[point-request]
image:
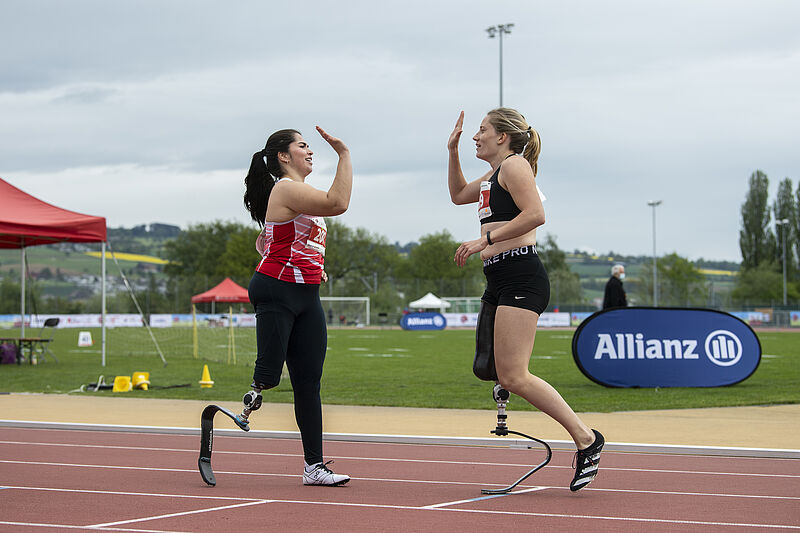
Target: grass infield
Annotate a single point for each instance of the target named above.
(381, 367)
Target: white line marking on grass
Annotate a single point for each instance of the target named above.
(358, 349)
(184, 513)
(380, 355)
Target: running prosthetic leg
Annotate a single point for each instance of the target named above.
(207, 439)
(501, 396)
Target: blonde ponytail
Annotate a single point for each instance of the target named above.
(524, 139)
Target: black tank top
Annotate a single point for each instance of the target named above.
(496, 203)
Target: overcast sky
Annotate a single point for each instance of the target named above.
(149, 111)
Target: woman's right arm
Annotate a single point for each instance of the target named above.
(461, 192)
(303, 198)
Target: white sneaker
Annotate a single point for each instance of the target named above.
(320, 474)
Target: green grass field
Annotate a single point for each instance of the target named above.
(381, 367)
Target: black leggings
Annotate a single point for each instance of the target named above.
(290, 327)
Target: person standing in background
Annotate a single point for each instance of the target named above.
(615, 294)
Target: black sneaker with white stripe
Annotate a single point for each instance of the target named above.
(586, 463)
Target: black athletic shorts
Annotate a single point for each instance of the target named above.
(517, 278)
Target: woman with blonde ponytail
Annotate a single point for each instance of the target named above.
(517, 287)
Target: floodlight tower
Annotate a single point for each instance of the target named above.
(654, 204)
(499, 30)
(783, 222)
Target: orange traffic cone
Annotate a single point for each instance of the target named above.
(205, 381)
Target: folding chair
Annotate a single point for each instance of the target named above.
(42, 344)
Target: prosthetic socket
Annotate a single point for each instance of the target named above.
(483, 365)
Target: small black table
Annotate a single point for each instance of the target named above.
(25, 343)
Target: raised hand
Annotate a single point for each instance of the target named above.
(335, 143)
(452, 142)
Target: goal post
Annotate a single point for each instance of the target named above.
(463, 304)
(346, 310)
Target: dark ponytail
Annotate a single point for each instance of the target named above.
(264, 170)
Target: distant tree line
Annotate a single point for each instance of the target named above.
(769, 232)
(358, 263)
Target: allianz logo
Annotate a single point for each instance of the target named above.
(425, 321)
(722, 347)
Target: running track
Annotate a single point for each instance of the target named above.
(61, 480)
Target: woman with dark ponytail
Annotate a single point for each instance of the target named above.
(284, 290)
(517, 287)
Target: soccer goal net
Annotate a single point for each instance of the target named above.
(346, 310)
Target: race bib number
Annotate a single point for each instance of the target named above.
(483, 203)
(318, 235)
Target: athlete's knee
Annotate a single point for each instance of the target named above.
(514, 382)
(483, 365)
(306, 386)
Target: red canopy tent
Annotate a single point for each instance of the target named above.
(27, 221)
(227, 291)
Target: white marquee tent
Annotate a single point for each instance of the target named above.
(430, 301)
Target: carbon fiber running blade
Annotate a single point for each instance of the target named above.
(204, 463)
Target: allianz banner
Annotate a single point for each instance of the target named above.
(665, 347)
(426, 320)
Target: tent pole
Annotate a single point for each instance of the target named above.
(194, 332)
(22, 297)
(103, 299)
(231, 338)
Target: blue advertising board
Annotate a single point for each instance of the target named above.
(423, 321)
(665, 347)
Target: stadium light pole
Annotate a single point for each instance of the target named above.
(783, 222)
(654, 204)
(499, 30)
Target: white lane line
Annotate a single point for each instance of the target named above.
(66, 526)
(483, 511)
(546, 515)
(395, 480)
(173, 515)
(129, 493)
(423, 461)
(488, 497)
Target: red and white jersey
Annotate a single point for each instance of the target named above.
(293, 251)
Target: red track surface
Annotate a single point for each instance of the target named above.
(55, 480)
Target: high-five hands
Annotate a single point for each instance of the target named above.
(452, 142)
(335, 143)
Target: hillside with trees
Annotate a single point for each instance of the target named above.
(359, 263)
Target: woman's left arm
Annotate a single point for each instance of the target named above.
(516, 176)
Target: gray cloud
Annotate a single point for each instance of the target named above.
(166, 102)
